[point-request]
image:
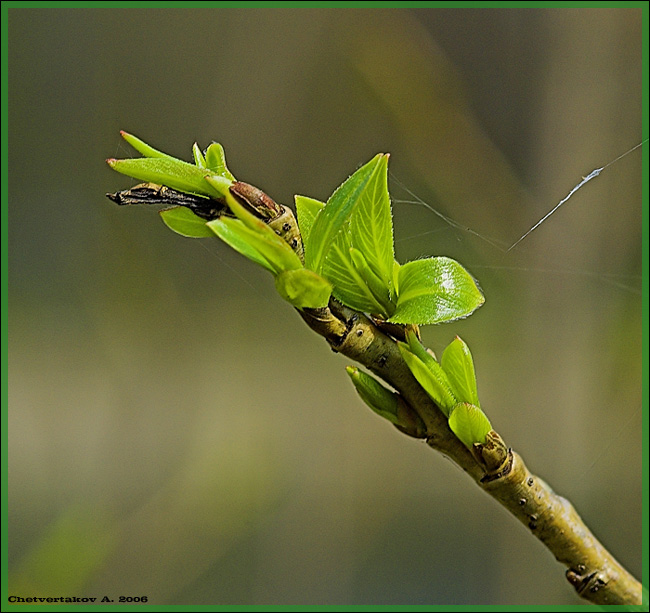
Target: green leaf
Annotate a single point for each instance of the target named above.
(240, 243)
(199, 160)
(333, 218)
(432, 378)
(375, 395)
(271, 247)
(378, 287)
(142, 147)
(371, 223)
(167, 171)
(259, 235)
(457, 362)
(435, 290)
(469, 424)
(307, 209)
(303, 288)
(349, 285)
(215, 160)
(182, 221)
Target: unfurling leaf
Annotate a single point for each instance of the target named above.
(268, 248)
(432, 378)
(435, 290)
(335, 216)
(233, 237)
(215, 160)
(379, 289)
(371, 224)
(349, 285)
(387, 404)
(457, 363)
(350, 239)
(141, 147)
(199, 160)
(374, 394)
(469, 424)
(303, 288)
(182, 221)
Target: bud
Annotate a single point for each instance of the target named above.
(387, 404)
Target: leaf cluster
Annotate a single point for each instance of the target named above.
(348, 253)
(348, 241)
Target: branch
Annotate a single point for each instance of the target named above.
(591, 569)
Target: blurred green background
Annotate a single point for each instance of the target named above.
(176, 432)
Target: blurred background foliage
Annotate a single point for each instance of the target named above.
(177, 432)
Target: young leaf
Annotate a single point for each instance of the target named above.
(271, 247)
(182, 221)
(307, 209)
(349, 286)
(457, 363)
(371, 224)
(435, 290)
(303, 288)
(199, 160)
(374, 394)
(167, 171)
(469, 424)
(378, 287)
(432, 378)
(215, 160)
(336, 213)
(142, 147)
(350, 239)
(240, 243)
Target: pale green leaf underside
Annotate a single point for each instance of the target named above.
(332, 219)
(469, 424)
(182, 221)
(239, 242)
(457, 363)
(269, 250)
(435, 290)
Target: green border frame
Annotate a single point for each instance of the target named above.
(331, 4)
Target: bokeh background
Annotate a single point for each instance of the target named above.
(176, 432)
